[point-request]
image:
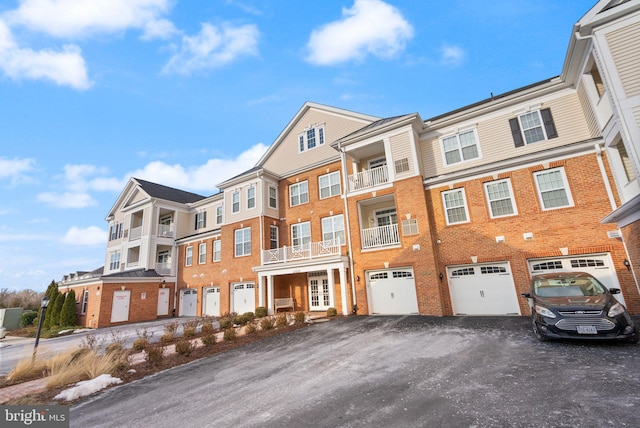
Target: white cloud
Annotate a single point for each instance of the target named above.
(160, 29)
(65, 67)
(452, 55)
(67, 199)
(202, 178)
(15, 168)
(80, 18)
(92, 235)
(370, 27)
(213, 47)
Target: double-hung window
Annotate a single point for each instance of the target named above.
(202, 253)
(553, 189)
(201, 220)
(251, 197)
(219, 214)
(188, 258)
(273, 237)
(500, 198)
(333, 229)
(114, 261)
(455, 206)
(242, 242)
(273, 197)
(217, 250)
(301, 234)
(235, 202)
(311, 138)
(299, 193)
(85, 301)
(532, 127)
(115, 231)
(329, 184)
(460, 147)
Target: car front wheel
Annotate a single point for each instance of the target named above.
(536, 332)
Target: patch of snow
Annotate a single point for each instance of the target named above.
(87, 387)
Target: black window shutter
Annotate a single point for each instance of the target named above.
(195, 225)
(515, 132)
(204, 220)
(549, 126)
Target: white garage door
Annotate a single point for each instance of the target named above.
(483, 289)
(392, 292)
(211, 302)
(598, 265)
(244, 298)
(188, 302)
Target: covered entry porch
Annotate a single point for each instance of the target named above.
(313, 285)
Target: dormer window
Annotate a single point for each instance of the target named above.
(311, 138)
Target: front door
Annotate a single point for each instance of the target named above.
(120, 306)
(163, 301)
(319, 292)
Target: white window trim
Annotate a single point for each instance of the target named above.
(85, 302)
(251, 198)
(243, 242)
(220, 214)
(291, 186)
(329, 175)
(457, 135)
(188, 256)
(511, 197)
(302, 238)
(202, 253)
(302, 137)
(544, 131)
(269, 187)
(333, 231)
(565, 184)
(235, 203)
(217, 252)
(201, 220)
(115, 260)
(466, 206)
(271, 229)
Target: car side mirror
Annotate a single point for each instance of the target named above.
(614, 290)
(526, 295)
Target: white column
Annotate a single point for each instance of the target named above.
(270, 294)
(331, 284)
(260, 290)
(343, 290)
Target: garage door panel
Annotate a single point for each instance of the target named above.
(392, 292)
(483, 289)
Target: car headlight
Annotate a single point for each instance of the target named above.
(545, 312)
(616, 310)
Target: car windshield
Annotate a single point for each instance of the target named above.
(567, 287)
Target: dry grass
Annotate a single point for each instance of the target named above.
(27, 369)
(75, 366)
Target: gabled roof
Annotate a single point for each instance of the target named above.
(159, 191)
(137, 273)
(375, 126)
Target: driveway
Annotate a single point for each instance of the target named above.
(388, 371)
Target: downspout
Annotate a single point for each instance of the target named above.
(605, 179)
(261, 218)
(343, 161)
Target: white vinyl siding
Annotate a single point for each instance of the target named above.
(553, 189)
(242, 242)
(329, 184)
(298, 193)
(455, 206)
(625, 51)
(500, 198)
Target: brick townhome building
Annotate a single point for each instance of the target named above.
(444, 216)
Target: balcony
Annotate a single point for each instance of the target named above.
(381, 236)
(368, 178)
(135, 233)
(312, 250)
(165, 230)
(163, 268)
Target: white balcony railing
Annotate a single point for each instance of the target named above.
(165, 230)
(368, 178)
(163, 268)
(381, 236)
(135, 233)
(294, 253)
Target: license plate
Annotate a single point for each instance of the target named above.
(587, 329)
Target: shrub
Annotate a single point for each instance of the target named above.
(230, 334)
(225, 323)
(154, 355)
(244, 318)
(167, 338)
(332, 312)
(251, 328)
(68, 310)
(144, 334)
(171, 327)
(184, 347)
(261, 312)
(299, 317)
(281, 321)
(140, 344)
(113, 347)
(27, 318)
(266, 323)
(91, 341)
(209, 339)
(207, 327)
(189, 331)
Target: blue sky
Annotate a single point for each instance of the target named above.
(188, 93)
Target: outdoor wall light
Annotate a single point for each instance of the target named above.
(441, 276)
(627, 264)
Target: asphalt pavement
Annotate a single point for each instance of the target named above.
(410, 371)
